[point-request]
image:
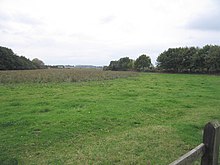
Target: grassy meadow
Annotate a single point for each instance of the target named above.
(60, 75)
(136, 119)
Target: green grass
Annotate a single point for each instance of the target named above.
(149, 118)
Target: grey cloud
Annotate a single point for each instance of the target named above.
(9, 28)
(4, 16)
(19, 18)
(108, 19)
(24, 19)
(208, 20)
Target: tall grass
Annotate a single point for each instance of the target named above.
(60, 75)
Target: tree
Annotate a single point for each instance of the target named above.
(185, 59)
(212, 59)
(169, 60)
(142, 62)
(203, 60)
(10, 61)
(38, 63)
(113, 65)
(125, 63)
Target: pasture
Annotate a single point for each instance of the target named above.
(135, 119)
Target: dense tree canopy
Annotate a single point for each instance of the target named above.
(142, 62)
(10, 61)
(190, 59)
(123, 64)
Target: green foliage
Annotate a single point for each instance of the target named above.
(142, 62)
(126, 64)
(123, 64)
(113, 66)
(151, 118)
(10, 61)
(203, 60)
(38, 63)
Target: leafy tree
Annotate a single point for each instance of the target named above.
(169, 60)
(125, 63)
(113, 65)
(187, 62)
(10, 61)
(204, 60)
(142, 62)
(38, 63)
(212, 59)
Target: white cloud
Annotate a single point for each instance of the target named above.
(95, 32)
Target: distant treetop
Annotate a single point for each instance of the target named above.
(142, 63)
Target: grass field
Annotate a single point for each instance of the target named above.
(60, 75)
(135, 120)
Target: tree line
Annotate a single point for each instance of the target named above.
(177, 60)
(190, 59)
(142, 63)
(10, 61)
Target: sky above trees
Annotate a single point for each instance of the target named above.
(98, 31)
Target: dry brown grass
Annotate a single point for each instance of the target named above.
(60, 75)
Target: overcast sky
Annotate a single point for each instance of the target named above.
(98, 31)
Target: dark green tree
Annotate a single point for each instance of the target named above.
(169, 60)
(202, 60)
(113, 66)
(212, 58)
(142, 62)
(10, 61)
(125, 64)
